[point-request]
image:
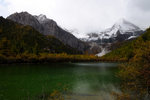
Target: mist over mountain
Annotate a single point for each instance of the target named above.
(122, 30)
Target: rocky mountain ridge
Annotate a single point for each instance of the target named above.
(47, 26)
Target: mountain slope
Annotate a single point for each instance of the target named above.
(130, 49)
(17, 39)
(48, 27)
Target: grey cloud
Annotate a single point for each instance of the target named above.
(138, 12)
(83, 15)
(142, 4)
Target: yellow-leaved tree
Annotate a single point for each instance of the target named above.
(135, 74)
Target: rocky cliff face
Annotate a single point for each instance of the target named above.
(48, 27)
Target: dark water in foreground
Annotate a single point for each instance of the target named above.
(84, 81)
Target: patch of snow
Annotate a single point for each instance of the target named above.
(132, 37)
(104, 52)
(125, 26)
(76, 33)
(93, 38)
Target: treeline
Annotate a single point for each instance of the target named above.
(46, 58)
(135, 74)
(23, 44)
(127, 50)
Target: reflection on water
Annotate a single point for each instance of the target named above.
(83, 91)
(97, 64)
(84, 81)
(100, 84)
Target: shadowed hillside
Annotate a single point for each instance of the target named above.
(17, 39)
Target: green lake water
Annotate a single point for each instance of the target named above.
(79, 81)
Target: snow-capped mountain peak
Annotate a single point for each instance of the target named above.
(120, 31)
(125, 26)
(122, 26)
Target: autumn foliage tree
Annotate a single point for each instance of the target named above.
(135, 74)
(5, 47)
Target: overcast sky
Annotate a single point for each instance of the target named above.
(83, 15)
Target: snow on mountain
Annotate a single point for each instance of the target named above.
(121, 27)
(132, 37)
(122, 30)
(126, 26)
(76, 33)
(103, 52)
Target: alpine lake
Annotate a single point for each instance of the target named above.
(74, 81)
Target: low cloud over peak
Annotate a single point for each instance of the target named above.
(83, 15)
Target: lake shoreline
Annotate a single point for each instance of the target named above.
(58, 61)
(53, 58)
